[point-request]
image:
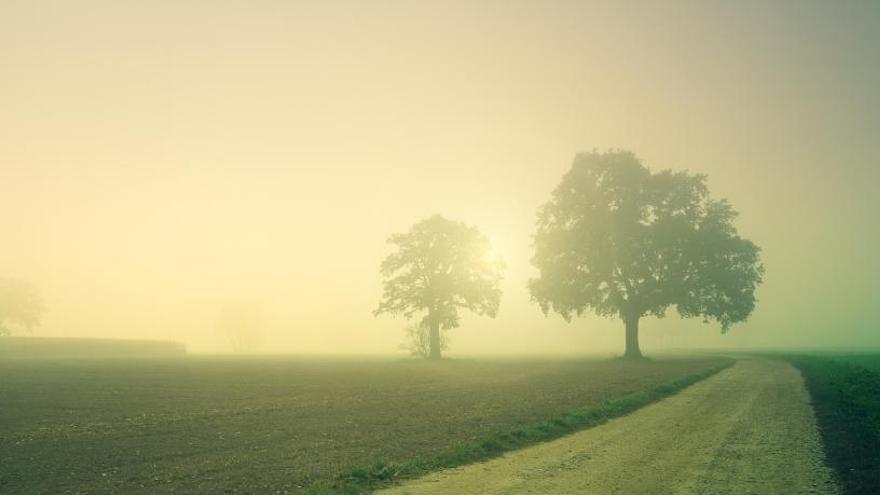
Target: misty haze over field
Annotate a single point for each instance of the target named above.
(163, 162)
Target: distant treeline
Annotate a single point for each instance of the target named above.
(39, 347)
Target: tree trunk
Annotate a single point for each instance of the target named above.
(434, 340)
(632, 338)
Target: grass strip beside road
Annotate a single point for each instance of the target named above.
(846, 399)
(381, 473)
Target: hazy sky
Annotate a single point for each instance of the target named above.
(159, 158)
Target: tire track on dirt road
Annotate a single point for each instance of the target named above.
(749, 429)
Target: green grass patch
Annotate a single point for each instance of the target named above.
(383, 473)
(846, 398)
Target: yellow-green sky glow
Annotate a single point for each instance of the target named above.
(160, 158)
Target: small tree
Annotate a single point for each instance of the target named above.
(437, 268)
(417, 340)
(242, 323)
(621, 241)
(20, 305)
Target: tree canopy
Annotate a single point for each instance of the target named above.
(437, 268)
(20, 304)
(621, 241)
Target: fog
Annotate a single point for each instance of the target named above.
(160, 161)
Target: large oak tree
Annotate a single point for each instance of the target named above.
(437, 268)
(621, 241)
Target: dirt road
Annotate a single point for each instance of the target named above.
(747, 430)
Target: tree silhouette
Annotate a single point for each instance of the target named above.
(242, 323)
(437, 268)
(621, 241)
(20, 304)
(417, 340)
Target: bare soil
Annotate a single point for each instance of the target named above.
(749, 429)
(275, 424)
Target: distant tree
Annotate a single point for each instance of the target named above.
(417, 340)
(241, 323)
(20, 305)
(437, 268)
(621, 241)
